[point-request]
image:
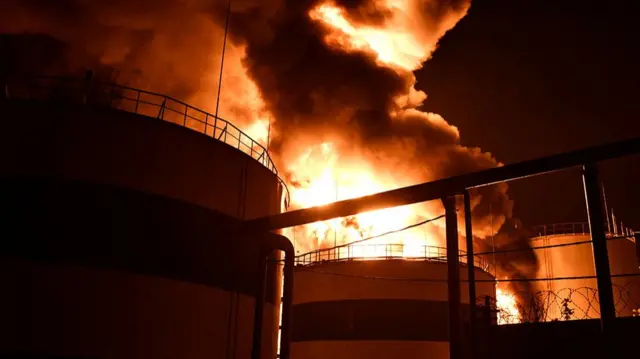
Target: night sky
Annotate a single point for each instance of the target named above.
(524, 79)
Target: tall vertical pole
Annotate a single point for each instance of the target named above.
(599, 245)
(453, 277)
(471, 274)
(493, 244)
(258, 309)
(224, 47)
(606, 210)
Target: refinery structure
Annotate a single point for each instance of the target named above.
(122, 246)
(315, 209)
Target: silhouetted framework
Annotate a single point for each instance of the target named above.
(447, 188)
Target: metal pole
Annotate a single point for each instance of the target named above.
(470, 273)
(599, 245)
(493, 244)
(224, 46)
(287, 304)
(269, 134)
(453, 277)
(606, 210)
(258, 313)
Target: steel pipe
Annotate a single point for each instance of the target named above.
(445, 187)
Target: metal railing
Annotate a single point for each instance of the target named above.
(363, 252)
(140, 102)
(575, 228)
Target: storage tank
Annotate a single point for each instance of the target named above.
(119, 212)
(566, 260)
(386, 306)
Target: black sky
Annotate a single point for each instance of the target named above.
(523, 79)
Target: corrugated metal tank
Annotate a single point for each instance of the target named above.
(360, 309)
(116, 239)
(577, 261)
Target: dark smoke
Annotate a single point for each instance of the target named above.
(314, 91)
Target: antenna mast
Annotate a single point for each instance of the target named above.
(224, 47)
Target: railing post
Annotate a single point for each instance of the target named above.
(599, 246)
(471, 274)
(137, 102)
(453, 277)
(186, 108)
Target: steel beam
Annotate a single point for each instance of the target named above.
(471, 274)
(453, 277)
(445, 187)
(599, 245)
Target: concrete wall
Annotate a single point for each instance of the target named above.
(341, 310)
(118, 238)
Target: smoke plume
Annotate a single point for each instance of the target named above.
(317, 70)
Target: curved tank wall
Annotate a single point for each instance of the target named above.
(118, 241)
(577, 260)
(342, 311)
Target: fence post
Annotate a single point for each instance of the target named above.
(471, 274)
(453, 277)
(599, 246)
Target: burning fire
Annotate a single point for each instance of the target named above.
(320, 176)
(173, 47)
(506, 303)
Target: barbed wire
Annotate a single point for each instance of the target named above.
(563, 304)
(444, 280)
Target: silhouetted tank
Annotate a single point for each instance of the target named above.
(348, 304)
(564, 260)
(118, 216)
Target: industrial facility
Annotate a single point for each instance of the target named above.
(120, 222)
(566, 253)
(351, 305)
(136, 225)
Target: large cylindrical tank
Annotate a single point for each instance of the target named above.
(563, 260)
(378, 308)
(117, 235)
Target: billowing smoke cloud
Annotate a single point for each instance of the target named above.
(165, 46)
(320, 92)
(313, 84)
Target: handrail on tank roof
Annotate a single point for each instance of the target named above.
(359, 252)
(576, 229)
(141, 102)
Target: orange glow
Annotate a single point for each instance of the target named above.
(320, 176)
(506, 303)
(403, 41)
(395, 48)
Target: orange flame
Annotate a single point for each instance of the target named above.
(506, 303)
(320, 176)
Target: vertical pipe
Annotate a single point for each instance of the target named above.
(287, 304)
(453, 277)
(471, 274)
(258, 312)
(599, 246)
